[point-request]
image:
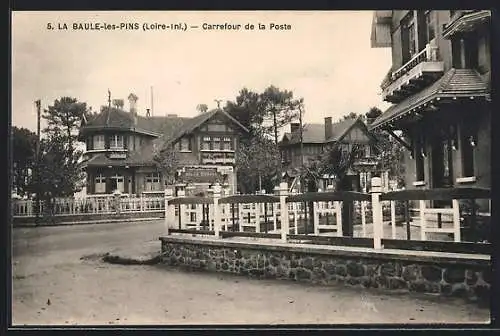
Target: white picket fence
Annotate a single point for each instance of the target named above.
(91, 205)
(378, 218)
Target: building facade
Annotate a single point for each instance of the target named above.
(121, 148)
(439, 85)
(317, 138)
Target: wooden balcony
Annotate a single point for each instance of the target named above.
(423, 69)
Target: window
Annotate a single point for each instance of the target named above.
(216, 143)
(430, 25)
(228, 143)
(185, 145)
(468, 140)
(100, 184)
(367, 151)
(116, 142)
(408, 37)
(117, 183)
(99, 142)
(153, 182)
(206, 143)
(132, 142)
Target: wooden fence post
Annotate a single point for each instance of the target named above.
(456, 220)
(363, 218)
(182, 210)
(168, 209)
(217, 211)
(316, 210)
(393, 219)
(285, 227)
(376, 191)
(423, 221)
(257, 217)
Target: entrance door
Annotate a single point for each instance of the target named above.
(442, 165)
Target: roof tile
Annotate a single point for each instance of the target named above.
(456, 82)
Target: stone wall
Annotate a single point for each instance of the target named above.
(469, 279)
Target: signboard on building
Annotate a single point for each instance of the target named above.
(200, 175)
(117, 155)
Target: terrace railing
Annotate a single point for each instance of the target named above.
(288, 218)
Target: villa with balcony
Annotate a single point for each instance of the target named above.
(439, 85)
(317, 138)
(121, 147)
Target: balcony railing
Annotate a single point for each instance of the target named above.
(428, 54)
(404, 81)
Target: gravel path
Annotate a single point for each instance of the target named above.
(53, 284)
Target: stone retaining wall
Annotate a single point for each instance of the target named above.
(469, 279)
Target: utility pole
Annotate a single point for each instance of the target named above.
(36, 171)
(301, 148)
(109, 98)
(152, 101)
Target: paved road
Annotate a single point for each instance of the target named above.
(53, 285)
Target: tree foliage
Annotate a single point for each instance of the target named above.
(61, 173)
(166, 160)
(266, 112)
(257, 164)
(23, 159)
(391, 153)
(202, 108)
(336, 160)
(60, 167)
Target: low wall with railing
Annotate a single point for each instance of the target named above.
(450, 275)
(301, 237)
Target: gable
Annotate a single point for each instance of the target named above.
(220, 123)
(357, 134)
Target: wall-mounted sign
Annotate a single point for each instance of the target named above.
(117, 155)
(200, 175)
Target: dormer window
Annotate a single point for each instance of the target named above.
(116, 142)
(185, 145)
(99, 142)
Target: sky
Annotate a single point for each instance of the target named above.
(324, 58)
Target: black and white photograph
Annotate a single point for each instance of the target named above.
(250, 168)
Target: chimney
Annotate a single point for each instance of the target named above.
(132, 99)
(328, 128)
(294, 127)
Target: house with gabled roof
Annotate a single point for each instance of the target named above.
(317, 138)
(439, 85)
(121, 145)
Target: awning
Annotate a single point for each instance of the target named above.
(453, 84)
(466, 23)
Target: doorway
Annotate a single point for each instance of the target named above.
(442, 165)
